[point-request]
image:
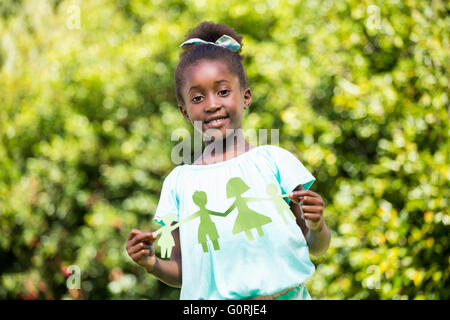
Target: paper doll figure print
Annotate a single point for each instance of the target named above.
(207, 227)
(166, 241)
(280, 204)
(246, 219)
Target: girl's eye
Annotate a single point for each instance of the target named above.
(224, 92)
(197, 99)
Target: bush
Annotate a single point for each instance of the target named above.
(88, 107)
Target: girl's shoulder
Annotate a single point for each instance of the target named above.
(278, 153)
(273, 148)
(173, 175)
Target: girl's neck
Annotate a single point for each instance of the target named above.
(225, 149)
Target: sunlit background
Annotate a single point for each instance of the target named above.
(358, 90)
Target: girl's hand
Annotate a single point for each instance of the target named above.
(312, 207)
(137, 248)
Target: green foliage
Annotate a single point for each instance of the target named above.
(358, 89)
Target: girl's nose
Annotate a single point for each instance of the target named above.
(213, 107)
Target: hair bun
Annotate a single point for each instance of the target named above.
(210, 32)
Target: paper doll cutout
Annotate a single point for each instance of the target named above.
(280, 204)
(207, 227)
(247, 219)
(166, 241)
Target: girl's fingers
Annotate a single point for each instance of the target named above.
(137, 248)
(138, 256)
(146, 241)
(312, 209)
(143, 237)
(138, 238)
(133, 233)
(293, 199)
(135, 256)
(312, 200)
(309, 197)
(305, 193)
(130, 238)
(313, 216)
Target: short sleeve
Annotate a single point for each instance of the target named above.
(290, 171)
(168, 201)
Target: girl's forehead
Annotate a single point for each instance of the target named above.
(207, 70)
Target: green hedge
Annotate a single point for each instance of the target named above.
(358, 89)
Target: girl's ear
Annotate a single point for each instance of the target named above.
(247, 98)
(184, 112)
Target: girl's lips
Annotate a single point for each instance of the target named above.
(217, 123)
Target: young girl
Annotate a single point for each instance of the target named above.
(242, 247)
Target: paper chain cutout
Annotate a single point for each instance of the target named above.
(246, 220)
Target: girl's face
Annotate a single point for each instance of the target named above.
(214, 97)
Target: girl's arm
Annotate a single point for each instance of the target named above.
(318, 239)
(169, 271)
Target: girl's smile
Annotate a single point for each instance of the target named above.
(217, 122)
(213, 96)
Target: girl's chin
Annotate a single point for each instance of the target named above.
(214, 134)
(218, 134)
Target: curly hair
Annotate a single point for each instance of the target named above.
(209, 31)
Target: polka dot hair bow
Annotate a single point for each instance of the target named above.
(224, 41)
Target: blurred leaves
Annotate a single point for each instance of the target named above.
(358, 89)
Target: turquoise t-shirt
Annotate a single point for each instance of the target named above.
(254, 249)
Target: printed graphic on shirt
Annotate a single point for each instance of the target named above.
(246, 221)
